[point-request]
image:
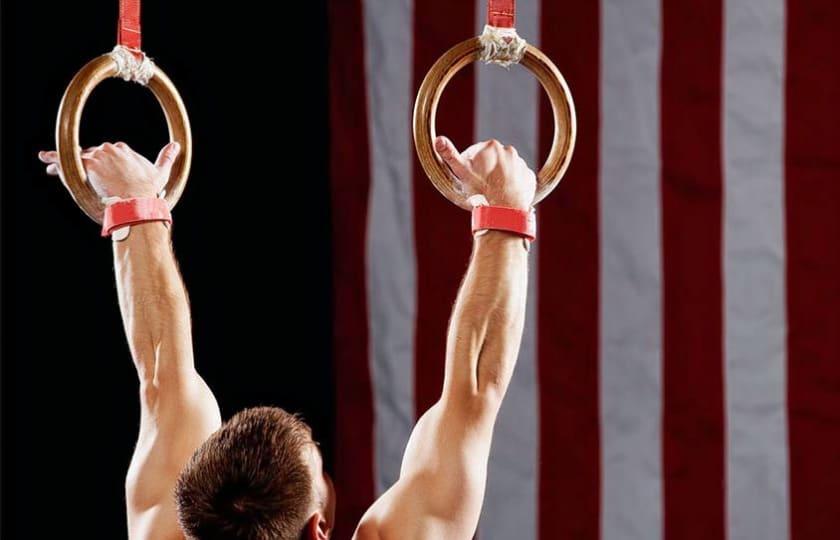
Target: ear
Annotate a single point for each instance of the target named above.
(317, 528)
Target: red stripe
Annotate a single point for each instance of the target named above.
(692, 213)
(442, 231)
(128, 27)
(350, 183)
(812, 168)
(568, 303)
(501, 13)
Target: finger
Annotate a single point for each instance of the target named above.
(471, 151)
(53, 169)
(91, 151)
(460, 167)
(51, 156)
(492, 144)
(48, 156)
(167, 156)
(121, 145)
(88, 152)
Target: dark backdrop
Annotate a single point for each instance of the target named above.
(251, 235)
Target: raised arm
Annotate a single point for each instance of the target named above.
(441, 486)
(177, 410)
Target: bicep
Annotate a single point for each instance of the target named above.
(177, 415)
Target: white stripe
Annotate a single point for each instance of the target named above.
(631, 272)
(507, 108)
(391, 262)
(755, 325)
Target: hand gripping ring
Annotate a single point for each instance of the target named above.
(69, 117)
(425, 110)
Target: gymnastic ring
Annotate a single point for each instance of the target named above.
(67, 133)
(425, 110)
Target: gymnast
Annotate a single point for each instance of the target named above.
(260, 476)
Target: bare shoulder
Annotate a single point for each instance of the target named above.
(372, 523)
(404, 513)
(385, 519)
(367, 530)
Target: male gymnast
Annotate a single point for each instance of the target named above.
(260, 476)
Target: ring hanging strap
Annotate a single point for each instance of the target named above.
(501, 44)
(500, 13)
(128, 27)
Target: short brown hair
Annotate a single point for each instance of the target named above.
(250, 480)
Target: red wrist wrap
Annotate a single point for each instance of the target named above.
(131, 211)
(500, 218)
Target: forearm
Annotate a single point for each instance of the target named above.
(177, 409)
(153, 302)
(448, 450)
(488, 318)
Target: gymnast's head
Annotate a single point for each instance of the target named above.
(259, 477)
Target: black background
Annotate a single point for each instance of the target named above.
(252, 235)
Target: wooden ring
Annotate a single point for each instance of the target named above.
(425, 110)
(67, 133)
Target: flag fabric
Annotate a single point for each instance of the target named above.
(679, 376)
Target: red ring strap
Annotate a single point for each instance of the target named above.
(500, 218)
(501, 13)
(128, 26)
(131, 211)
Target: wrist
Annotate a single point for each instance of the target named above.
(508, 203)
(499, 238)
(150, 238)
(121, 214)
(519, 201)
(500, 242)
(139, 195)
(145, 233)
(151, 228)
(515, 222)
(133, 191)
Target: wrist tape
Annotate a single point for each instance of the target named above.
(134, 211)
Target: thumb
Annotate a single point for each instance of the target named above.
(452, 157)
(167, 156)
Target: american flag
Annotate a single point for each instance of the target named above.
(679, 377)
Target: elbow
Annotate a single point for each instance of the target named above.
(488, 398)
(156, 371)
(478, 409)
(491, 384)
(145, 363)
(162, 385)
(479, 400)
(493, 373)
